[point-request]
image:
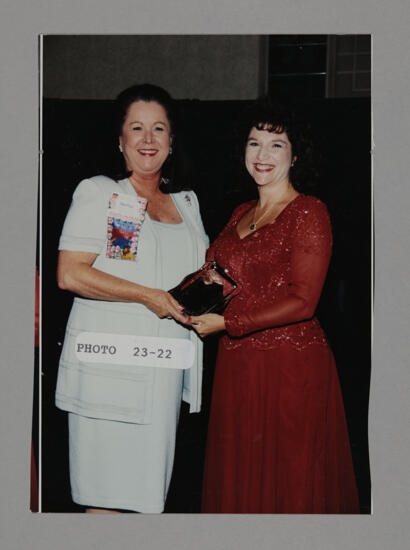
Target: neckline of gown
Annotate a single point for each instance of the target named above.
(266, 224)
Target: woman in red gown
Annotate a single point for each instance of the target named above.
(277, 440)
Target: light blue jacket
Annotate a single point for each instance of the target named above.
(121, 392)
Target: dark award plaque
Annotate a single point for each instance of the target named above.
(207, 290)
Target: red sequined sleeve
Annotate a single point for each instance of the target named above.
(310, 254)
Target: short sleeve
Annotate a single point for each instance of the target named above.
(85, 226)
(199, 217)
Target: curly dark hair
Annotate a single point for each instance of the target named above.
(278, 118)
(172, 173)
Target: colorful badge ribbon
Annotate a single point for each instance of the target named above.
(126, 215)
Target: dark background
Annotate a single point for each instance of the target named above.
(77, 143)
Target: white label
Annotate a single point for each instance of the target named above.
(142, 351)
(127, 205)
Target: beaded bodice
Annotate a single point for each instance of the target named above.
(262, 263)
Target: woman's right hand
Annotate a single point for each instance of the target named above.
(75, 273)
(164, 305)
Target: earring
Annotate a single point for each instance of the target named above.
(293, 164)
(170, 149)
(119, 147)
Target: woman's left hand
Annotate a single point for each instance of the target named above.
(208, 324)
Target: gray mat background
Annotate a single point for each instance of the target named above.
(21, 22)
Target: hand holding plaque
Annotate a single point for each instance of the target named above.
(207, 290)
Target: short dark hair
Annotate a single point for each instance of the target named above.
(142, 92)
(172, 176)
(278, 118)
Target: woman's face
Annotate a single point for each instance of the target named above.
(268, 157)
(145, 138)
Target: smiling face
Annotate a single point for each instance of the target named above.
(268, 157)
(145, 138)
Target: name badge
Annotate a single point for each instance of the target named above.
(126, 215)
(142, 351)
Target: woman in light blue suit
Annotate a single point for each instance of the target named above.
(123, 244)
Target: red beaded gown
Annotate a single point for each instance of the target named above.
(277, 438)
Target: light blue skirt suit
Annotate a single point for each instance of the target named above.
(123, 418)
